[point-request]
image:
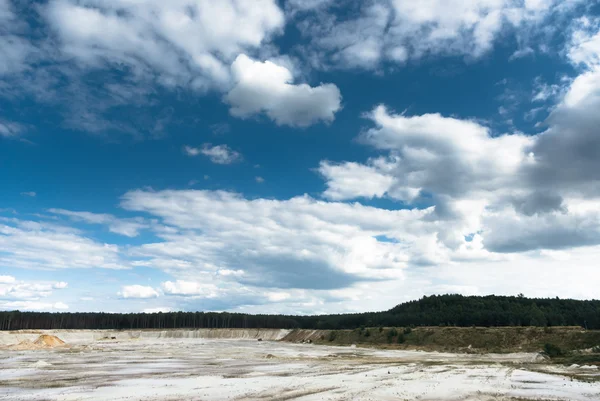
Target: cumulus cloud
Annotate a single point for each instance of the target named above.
(585, 43)
(516, 193)
(189, 288)
(566, 154)
(126, 227)
(430, 154)
(396, 31)
(13, 290)
(267, 87)
(187, 44)
(354, 180)
(184, 41)
(138, 292)
(29, 194)
(218, 154)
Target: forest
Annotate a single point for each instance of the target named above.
(436, 310)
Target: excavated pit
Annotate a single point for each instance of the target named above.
(232, 365)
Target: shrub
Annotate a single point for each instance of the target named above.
(393, 332)
(400, 339)
(332, 335)
(380, 329)
(367, 333)
(552, 350)
(407, 330)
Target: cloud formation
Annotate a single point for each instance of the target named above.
(41, 245)
(186, 42)
(126, 227)
(138, 292)
(380, 31)
(218, 154)
(518, 193)
(267, 87)
(29, 294)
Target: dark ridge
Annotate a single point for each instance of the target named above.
(436, 310)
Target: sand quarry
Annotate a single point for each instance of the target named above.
(233, 365)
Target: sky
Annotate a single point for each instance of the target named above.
(299, 156)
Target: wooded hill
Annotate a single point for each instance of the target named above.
(437, 310)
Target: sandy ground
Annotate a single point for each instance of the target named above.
(208, 369)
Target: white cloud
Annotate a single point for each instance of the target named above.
(398, 30)
(126, 227)
(584, 48)
(227, 272)
(33, 306)
(428, 154)
(160, 309)
(518, 192)
(218, 154)
(15, 290)
(47, 246)
(189, 288)
(353, 180)
(7, 279)
(295, 243)
(184, 42)
(278, 296)
(29, 194)
(138, 292)
(267, 87)
(259, 179)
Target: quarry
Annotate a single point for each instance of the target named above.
(232, 364)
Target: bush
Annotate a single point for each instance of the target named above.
(367, 333)
(407, 330)
(380, 329)
(393, 332)
(552, 350)
(332, 335)
(400, 339)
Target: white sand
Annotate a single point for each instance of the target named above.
(204, 369)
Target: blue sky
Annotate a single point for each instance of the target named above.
(296, 156)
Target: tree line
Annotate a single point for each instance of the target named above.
(436, 310)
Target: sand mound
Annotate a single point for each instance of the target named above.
(23, 345)
(46, 340)
(42, 342)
